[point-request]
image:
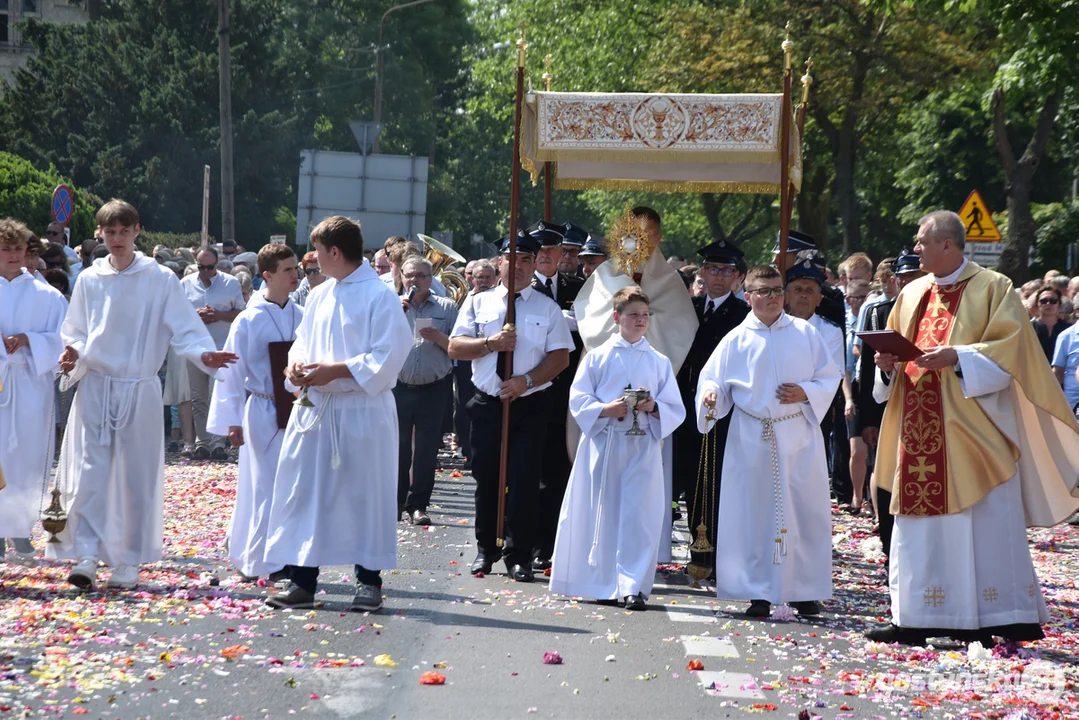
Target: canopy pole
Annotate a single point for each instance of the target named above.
(548, 167)
(509, 280)
(785, 195)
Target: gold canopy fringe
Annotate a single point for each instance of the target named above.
(664, 186)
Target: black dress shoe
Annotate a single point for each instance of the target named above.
(635, 602)
(610, 602)
(484, 562)
(540, 565)
(806, 607)
(522, 573)
(892, 633)
(759, 608)
(420, 517)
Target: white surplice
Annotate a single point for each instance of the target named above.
(986, 578)
(335, 494)
(122, 324)
(611, 524)
(27, 428)
(745, 370)
(674, 325)
(242, 397)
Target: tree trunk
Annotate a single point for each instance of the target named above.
(1014, 259)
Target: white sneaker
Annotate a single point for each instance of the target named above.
(124, 577)
(84, 574)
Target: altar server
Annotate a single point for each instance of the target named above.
(777, 374)
(31, 313)
(611, 523)
(248, 406)
(126, 310)
(336, 487)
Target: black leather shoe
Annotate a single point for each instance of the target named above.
(484, 562)
(540, 565)
(892, 633)
(420, 517)
(759, 608)
(522, 573)
(806, 607)
(610, 602)
(635, 602)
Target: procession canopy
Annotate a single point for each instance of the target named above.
(659, 143)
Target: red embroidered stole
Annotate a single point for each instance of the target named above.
(923, 460)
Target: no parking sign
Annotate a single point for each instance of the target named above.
(63, 204)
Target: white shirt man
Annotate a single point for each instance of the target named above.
(218, 299)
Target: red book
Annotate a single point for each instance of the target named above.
(891, 342)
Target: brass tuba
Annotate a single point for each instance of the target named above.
(441, 257)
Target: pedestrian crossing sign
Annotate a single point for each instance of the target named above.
(978, 221)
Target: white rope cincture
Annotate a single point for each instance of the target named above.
(593, 553)
(335, 458)
(768, 434)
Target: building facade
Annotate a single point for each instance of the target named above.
(14, 52)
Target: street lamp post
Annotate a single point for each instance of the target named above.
(378, 60)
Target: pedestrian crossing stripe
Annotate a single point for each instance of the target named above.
(705, 646)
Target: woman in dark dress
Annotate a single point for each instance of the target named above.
(1047, 322)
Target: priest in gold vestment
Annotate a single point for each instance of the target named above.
(977, 444)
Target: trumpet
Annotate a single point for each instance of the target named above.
(441, 257)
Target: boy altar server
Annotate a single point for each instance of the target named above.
(245, 404)
(336, 486)
(31, 313)
(612, 516)
(125, 312)
(774, 511)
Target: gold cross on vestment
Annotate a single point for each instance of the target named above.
(921, 469)
(990, 594)
(934, 596)
(937, 306)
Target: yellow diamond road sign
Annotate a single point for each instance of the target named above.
(978, 221)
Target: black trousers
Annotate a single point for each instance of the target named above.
(527, 431)
(463, 390)
(887, 522)
(420, 408)
(555, 473)
(837, 447)
(307, 577)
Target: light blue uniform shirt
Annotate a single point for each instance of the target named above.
(1066, 355)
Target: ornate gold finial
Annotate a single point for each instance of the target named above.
(547, 76)
(522, 43)
(807, 80)
(788, 48)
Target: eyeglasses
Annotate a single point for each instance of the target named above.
(207, 267)
(714, 270)
(767, 292)
(1049, 301)
(312, 271)
(417, 276)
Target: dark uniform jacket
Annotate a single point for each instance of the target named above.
(870, 412)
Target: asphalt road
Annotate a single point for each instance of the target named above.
(487, 637)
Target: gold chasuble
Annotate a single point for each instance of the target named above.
(940, 453)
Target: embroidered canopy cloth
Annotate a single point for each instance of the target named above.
(654, 142)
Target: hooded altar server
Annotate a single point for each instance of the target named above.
(31, 313)
(977, 443)
(336, 487)
(774, 529)
(611, 523)
(246, 400)
(126, 311)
